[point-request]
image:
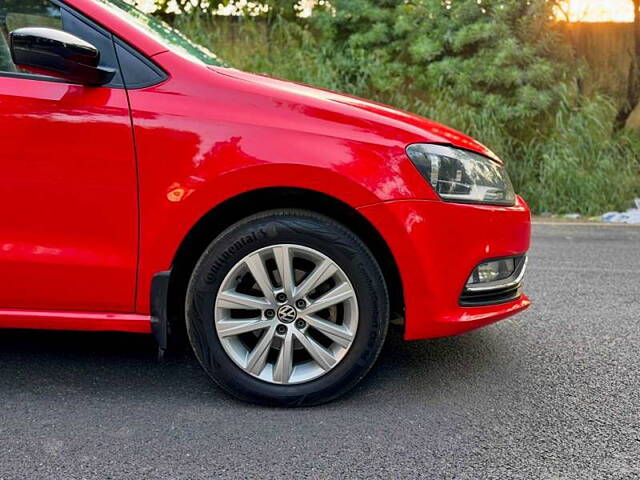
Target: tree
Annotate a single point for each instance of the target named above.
(499, 57)
(632, 101)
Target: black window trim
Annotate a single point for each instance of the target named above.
(162, 75)
(115, 39)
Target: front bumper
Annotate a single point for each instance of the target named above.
(436, 245)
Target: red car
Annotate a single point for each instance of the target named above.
(149, 187)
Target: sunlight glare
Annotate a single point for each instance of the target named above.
(596, 10)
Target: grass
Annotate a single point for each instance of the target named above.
(571, 162)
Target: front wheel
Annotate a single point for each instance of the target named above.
(287, 308)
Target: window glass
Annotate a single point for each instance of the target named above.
(161, 31)
(16, 14)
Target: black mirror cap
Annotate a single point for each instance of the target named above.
(59, 52)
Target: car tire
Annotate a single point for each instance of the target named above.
(334, 348)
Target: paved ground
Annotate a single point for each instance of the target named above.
(552, 393)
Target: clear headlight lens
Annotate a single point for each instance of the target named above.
(461, 175)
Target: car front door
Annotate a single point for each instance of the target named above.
(69, 212)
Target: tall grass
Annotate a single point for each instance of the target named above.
(571, 161)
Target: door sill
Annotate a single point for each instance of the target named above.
(78, 321)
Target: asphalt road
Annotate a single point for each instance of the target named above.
(551, 393)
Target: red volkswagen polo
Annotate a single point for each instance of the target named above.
(147, 186)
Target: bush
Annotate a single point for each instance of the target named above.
(493, 69)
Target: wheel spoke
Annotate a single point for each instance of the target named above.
(284, 365)
(258, 356)
(334, 296)
(338, 333)
(323, 357)
(234, 300)
(228, 328)
(284, 261)
(320, 274)
(256, 267)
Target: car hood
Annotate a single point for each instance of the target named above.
(417, 128)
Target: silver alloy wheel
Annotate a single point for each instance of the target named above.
(286, 314)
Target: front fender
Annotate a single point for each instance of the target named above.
(184, 203)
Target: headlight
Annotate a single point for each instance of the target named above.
(462, 176)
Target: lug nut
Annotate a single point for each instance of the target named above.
(269, 313)
(281, 297)
(301, 303)
(281, 329)
(300, 324)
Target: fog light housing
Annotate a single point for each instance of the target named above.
(492, 271)
(494, 281)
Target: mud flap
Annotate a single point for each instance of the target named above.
(159, 318)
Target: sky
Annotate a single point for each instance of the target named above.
(598, 10)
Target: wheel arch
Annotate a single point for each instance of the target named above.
(234, 209)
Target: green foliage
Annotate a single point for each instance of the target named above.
(583, 165)
(494, 55)
(495, 69)
(273, 8)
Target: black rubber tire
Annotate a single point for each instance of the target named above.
(301, 228)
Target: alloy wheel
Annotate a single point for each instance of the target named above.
(286, 314)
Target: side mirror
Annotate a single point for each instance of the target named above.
(59, 52)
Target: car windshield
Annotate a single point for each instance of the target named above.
(163, 32)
